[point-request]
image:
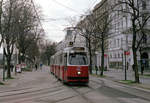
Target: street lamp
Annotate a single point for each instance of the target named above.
(125, 56)
(124, 48)
(125, 65)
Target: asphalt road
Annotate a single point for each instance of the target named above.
(42, 87)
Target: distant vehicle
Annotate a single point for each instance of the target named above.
(71, 65)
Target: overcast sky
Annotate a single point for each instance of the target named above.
(57, 14)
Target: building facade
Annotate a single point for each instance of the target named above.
(72, 38)
(119, 50)
(120, 40)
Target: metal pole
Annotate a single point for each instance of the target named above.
(125, 66)
(122, 61)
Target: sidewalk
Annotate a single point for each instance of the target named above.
(118, 74)
(15, 76)
(1, 74)
(18, 76)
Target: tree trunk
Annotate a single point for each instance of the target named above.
(23, 58)
(48, 60)
(8, 66)
(19, 60)
(1, 4)
(135, 66)
(102, 57)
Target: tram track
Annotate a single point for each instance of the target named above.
(83, 94)
(27, 94)
(30, 93)
(24, 90)
(13, 90)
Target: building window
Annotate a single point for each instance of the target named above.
(126, 22)
(121, 41)
(118, 42)
(143, 4)
(118, 55)
(110, 56)
(114, 55)
(114, 42)
(110, 45)
(122, 24)
(118, 26)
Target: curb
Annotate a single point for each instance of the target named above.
(143, 87)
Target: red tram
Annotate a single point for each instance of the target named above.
(71, 65)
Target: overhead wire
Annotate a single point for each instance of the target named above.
(37, 14)
(69, 8)
(55, 19)
(64, 18)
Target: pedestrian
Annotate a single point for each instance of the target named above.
(142, 69)
(36, 67)
(105, 68)
(96, 68)
(41, 66)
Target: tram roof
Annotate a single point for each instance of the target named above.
(75, 49)
(71, 49)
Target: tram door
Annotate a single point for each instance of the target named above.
(65, 67)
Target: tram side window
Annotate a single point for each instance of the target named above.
(78, 59)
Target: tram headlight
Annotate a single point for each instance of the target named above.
(78, 73)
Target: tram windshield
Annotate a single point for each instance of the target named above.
(78, 59)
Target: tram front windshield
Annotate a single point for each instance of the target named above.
(78, 59)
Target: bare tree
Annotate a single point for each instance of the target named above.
(8, 31)
(1, 11)
(28, 29)
(96, 28)
(49, 49)
(86, 29)
(32, 54)
(102, 24)
(139, 16)
(19, 23)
